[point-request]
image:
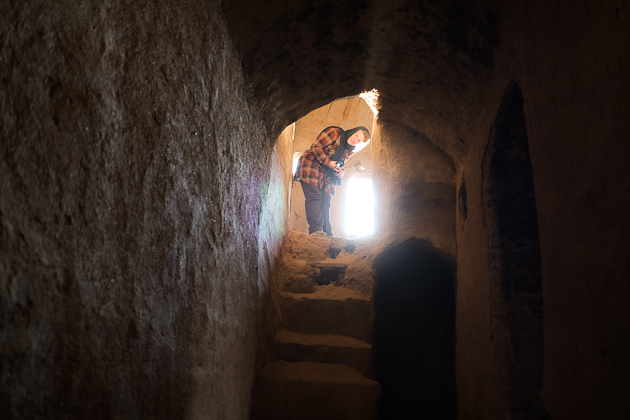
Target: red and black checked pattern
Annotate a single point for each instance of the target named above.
(313, 161)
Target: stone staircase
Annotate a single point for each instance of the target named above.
(321, 359)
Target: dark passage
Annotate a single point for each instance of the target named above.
(510, 213)
(414, 333)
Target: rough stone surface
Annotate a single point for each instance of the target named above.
(325, 324)
(307, 259)
(324, 348)
(415, 188)
(140, 213)
(441, 69)
(509, 212)
(135, 175)
(313, 391)
(329, 310)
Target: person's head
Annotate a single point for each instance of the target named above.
(359, 136)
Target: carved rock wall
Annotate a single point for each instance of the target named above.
(441, 69)
(141, 209)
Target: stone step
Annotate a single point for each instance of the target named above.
(327, 273)
(329, 310)
(313, 391)
(326, 348)
(301, 276)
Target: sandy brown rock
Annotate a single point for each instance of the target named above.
(329, 310)
(142, 204)
(324, 348)
(141, 209)
(309, 390)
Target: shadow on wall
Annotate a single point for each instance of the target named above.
(414, 332)
(511, 218)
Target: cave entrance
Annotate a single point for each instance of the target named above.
(414, 333)
(346, 113)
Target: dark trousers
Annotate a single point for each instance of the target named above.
(317, 209)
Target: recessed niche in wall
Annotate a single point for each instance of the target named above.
(515, 266)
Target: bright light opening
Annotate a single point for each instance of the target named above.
(296, 158)
(371, 99)
(360, 206)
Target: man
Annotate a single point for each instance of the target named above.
(320, 168)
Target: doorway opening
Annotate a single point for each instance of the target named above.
(345, 113)
(414, 333)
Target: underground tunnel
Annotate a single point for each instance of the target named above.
(151, 263)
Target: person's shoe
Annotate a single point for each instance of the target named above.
(331, 235)
(318, 233)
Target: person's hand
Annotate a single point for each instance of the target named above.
(336, 169)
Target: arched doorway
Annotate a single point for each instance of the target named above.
(345, 113)
(414, 333)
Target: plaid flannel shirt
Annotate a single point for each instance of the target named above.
(312, 164)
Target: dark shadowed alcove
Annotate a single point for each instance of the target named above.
(510, 216)
(414, 333)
